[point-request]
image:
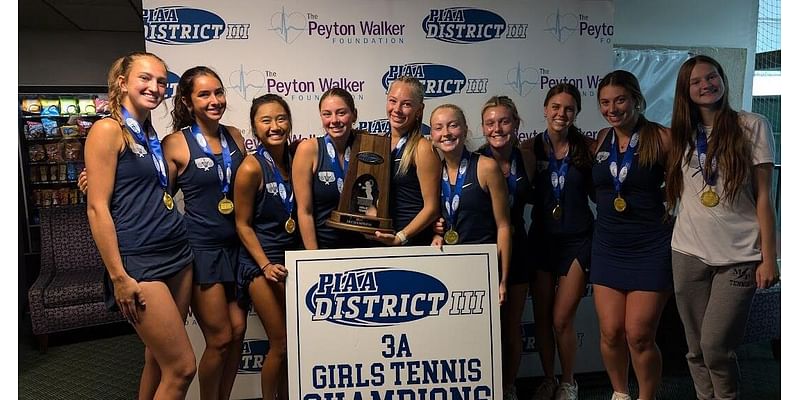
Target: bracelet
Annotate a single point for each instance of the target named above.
(402, 236)
(265, 267)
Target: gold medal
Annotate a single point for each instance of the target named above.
(168, 201)
(557, 211)
(451, 237)
(709, 198)
(290, 225)
(620, 204)
(225, 206)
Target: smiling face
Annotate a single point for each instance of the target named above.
(448, 129)
(499, 126)
(560, 112)
(337, 117)
(144, 86)
(207, 100)
(272, 124)
(618, 107)
(403, 106)
(706, 86)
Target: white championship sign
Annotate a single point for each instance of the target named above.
(394, 323)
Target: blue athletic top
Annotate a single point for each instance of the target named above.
(576, 217)
(142, 223)
(200, 183)
(326, 195)
(474, 219)
(269, 217)
(405, 200)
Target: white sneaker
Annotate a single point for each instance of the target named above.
(567, 391)
(510, 394)
(620, 396)
(546, 389)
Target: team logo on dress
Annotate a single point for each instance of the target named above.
(438, 80)
(253, 353)
(380, 296)
(204, 163)
(326, 177)
(271, 188)
(176, 25)
(139, 150)
(466, 25)
(602, 156)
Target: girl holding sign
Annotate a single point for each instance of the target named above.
(720, 184)
(205, 155)
(266, 224)
(139, 233)
(631, 263)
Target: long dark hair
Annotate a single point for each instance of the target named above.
(181, 115)
(728, 144)
(649, 132)
(579, 151)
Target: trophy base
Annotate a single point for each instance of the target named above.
(359, 223)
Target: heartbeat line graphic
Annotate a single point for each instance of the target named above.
(287, 24)
(239, 81)
(557, 28)
(520, 82)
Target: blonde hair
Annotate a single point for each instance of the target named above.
(504, 101)
(415, 133)
(456, 109)
(122, 67)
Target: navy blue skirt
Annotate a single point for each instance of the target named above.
(633, 261)
(157, 265)
(556, 253)
(215, 265)
(248, 270)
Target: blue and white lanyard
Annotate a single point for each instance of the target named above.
(619, 177)
(287, 194)
(338, 171)
(151, 141)
(511, 179)
(702, 155)
(558, 174)
(452, 198)
(224, 170)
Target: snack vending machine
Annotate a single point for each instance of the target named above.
(53, 124)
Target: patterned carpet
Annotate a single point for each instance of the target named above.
(105, 363)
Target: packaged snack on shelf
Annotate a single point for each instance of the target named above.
(44, 176)
(86, 105)
(83, 126)
(69, 131)
(72, 150)
(36, 152)
(31, 105)
(101, 104)
(63, 196)
(34, 175)
(72, 172)
(37, 198)
(54, 173)
(68, 104)
(62, 172)
(73, 196)
(34, 130)
(47, 198)
(50, 128)
(50, 108)
(55, 151)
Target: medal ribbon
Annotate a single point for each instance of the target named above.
(452, 197)
(702, 150)
(558, 174)
(401, 144)
(338, 171)
(286, 198)
(224, 170)
(151, 141)
(620, 174)
(511, 179)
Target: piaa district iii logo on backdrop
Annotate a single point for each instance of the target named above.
(437, 79)
(183, 25)
(466, 25)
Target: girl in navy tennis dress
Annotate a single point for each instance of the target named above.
(267, 227)
(139, 233)
(205, 155)
(631, 264)
(318, 173)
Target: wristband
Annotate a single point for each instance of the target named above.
(263, 269)
(402, 236)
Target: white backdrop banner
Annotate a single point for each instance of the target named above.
(407, 323)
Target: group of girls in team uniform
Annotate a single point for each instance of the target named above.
(243, 211)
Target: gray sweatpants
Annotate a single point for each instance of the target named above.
(713, 303)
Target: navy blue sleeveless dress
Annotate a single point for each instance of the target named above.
(559, 242)
(212, 235)
(405, 201)
(631, 249)
(326, 195)
(519, 272)
(152, 239)
(475, 222)
(269, 217)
